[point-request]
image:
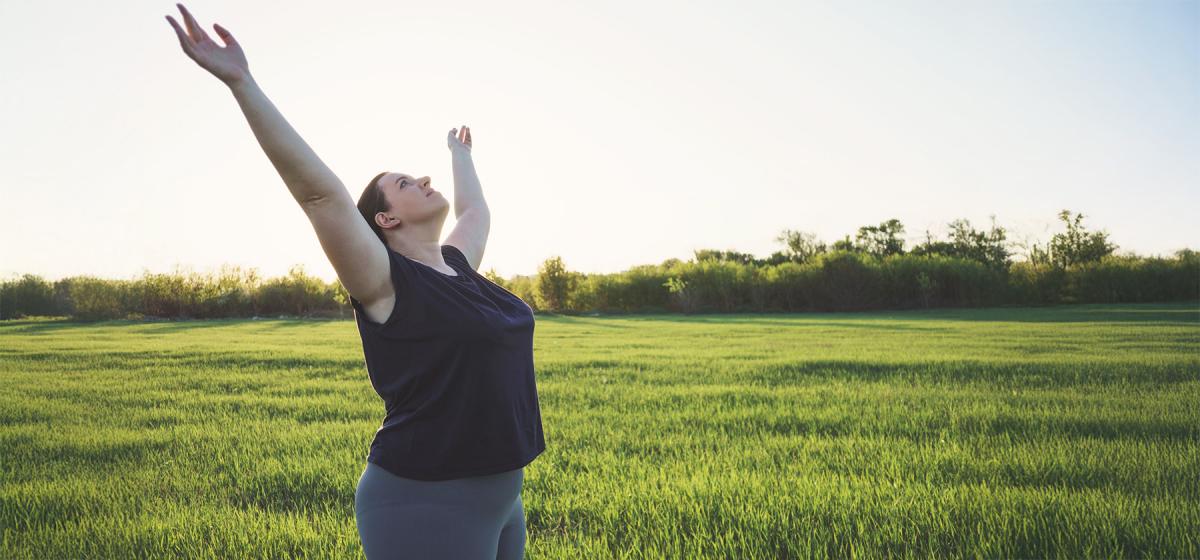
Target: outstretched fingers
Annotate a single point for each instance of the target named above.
(184, 40)
(225, 35)
(197, 33)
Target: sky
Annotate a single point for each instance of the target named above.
(611, 134)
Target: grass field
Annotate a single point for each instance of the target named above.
(1048, 432)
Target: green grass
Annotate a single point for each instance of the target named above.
(1049, 432)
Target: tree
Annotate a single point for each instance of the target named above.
(30, 295)
(882, 240)
(725, 256)
(932, 246)
(989, 248)
(1075, 246)
(845, 244)
(554, 284)
(496, 279)
(802, 246)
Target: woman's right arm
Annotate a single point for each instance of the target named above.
(358, 257)
(306, 176)
(361, 261)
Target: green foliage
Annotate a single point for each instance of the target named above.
(606, 293)
(932, 280)
(719, 286)
(97, 299)
(554, 285)
(524, 287)
(1073, 247)
(1035, 284)
(970, 268)
(496, 279)
(724, 256)
(926, 287)
(28, 296)
(881, 240)
(1127, 278)
(791, 287)
(989, 248)
(165, 295)
(848, 281)
(684, 298)
(802, 246)
(834, 281)
(296, 294)
(230, 292)
(845, 244)
(341, 295)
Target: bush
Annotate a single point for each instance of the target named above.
(554, 284)
(296, 294)
(837, 280)
(27, 296)
(1035, 284)
(96, 299)
(849, 281)
(1128, 278)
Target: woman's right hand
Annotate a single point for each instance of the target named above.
(227, 63)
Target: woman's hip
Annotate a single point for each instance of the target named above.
(495, 493)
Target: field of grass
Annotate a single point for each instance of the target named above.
(1049, 432)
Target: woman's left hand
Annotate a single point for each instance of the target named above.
(460, 139)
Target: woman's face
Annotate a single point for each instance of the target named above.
(412, 199)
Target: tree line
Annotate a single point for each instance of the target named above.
(872, 270)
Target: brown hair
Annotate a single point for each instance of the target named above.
(373, 202)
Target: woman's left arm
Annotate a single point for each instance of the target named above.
(468, 193)
(474, 220)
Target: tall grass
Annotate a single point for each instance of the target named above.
(1061, 432)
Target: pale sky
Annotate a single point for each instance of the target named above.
(611, 133)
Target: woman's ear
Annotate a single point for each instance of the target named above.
(383, 220)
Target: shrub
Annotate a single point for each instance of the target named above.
(27, 296)
(97, 299)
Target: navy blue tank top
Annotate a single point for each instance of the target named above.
(453, 364)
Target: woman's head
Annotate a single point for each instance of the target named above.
(398, 201)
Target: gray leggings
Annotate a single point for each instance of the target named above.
(463, 518)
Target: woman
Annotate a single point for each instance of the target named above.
(449, 352)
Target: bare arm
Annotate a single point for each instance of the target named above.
(361, 261)
(468, 193)
(474, 220)
(306, 176)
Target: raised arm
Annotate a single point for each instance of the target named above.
(473, 219)
(361, 261)
(306, 176)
